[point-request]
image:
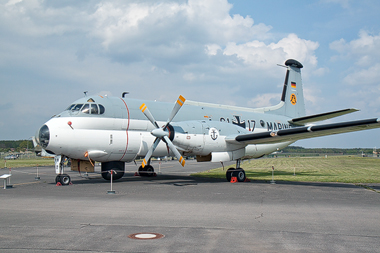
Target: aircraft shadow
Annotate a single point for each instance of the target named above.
(186, 180)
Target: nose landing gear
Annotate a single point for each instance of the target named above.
(61, 178)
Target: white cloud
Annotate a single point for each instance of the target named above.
(364, 51)
(161, 49)
(370, 76)
(13, 2)
(211, 19)
(212, 49)
(260, 55)
(263, 100)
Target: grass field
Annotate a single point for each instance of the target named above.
(27, 162)
(342, 169)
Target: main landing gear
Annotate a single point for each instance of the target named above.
(147, 171)
(116, 167)
(239, 173)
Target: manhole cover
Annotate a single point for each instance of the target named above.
(146, 236)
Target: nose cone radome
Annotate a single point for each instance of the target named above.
(44, 136)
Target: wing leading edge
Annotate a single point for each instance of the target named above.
(299, 133)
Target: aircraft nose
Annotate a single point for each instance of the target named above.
(44, 136)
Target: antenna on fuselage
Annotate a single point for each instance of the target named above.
(124, 93)
(85, 93)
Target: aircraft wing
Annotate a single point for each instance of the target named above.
(299, 133)
(319, 117)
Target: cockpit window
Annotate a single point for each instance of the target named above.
(94, 109)
(86, 108)
(77, 107)
(70, 107)
(101, 109)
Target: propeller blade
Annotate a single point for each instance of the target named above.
(161, 134)
(175, 151)
(147, 113)
(180, 101)
(150, 152)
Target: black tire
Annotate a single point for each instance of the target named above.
(149, 171)
(142, 171)
(117, 167)
(229, 173)
(58, 178)
(65, 179)
(239, 173)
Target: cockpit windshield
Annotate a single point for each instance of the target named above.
(87, 108)
(77, 107)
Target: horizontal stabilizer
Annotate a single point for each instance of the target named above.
(299, 133)
(319, 117)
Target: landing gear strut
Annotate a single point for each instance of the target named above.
(61, 178)
(239, 173)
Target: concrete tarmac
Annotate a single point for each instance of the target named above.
(192, 214)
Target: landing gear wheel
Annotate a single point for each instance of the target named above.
(229, 173)
(58, 179)
(147, 171)
(117, 168)
(239, 173)
(142, 171)
(65, 179)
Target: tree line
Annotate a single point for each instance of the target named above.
(16, 146)
(342, 151)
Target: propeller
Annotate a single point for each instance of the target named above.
(161, 134)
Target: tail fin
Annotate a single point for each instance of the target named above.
(292, 101)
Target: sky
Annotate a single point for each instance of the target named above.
(217, 51)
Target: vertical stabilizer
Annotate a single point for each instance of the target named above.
(292, 99)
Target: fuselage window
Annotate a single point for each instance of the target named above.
(101, 109)
(94, 109)
(86, 108)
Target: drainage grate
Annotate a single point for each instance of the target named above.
(146, 236)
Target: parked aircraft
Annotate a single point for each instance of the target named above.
(115, 130)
